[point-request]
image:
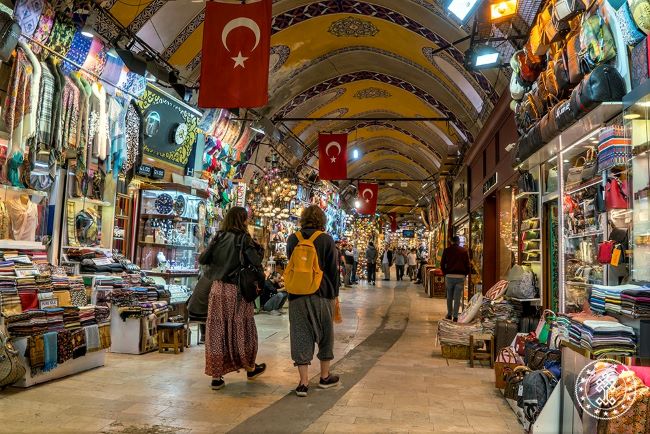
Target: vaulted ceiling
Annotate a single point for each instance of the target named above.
(350, 59)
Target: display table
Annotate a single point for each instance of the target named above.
(71, 367)
(134, 335)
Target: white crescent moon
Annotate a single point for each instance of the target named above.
(363, 193)
(337, 145)
(240, 22)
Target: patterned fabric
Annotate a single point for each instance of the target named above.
(77, 53)
(98, 121)
(45, 108)
(117, 133)
(78, 343)
(71, 101)
(135, 84)
(105, 336)
(112, 71)
(497, 290)
(64, 341)
(96, 59)
(133, 136)
(231, 335)
(636, 420)
(62, 34)
(45, 23)
(27, 14)
(36, 352)
(57, 111)
(17, 101)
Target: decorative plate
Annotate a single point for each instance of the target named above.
(179, 205)
(164, 204)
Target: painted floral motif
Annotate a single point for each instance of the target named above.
(371, 93)
(282, 53)
(353, 27)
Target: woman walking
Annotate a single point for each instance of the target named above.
(231, 335)
(400, 261)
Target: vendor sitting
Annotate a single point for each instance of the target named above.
(273, 296)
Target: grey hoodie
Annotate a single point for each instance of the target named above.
(371, 255)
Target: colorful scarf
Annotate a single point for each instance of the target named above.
(105, 337)
(64, 343)
(78, 343)
(36, 353)
(92, 338)
(50, 343)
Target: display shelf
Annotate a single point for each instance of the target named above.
(586, 234)
(21, 245)
(95, 249)
(28, 191)
(90, 201)
(525, 194)
(169, 246)
(189, 273)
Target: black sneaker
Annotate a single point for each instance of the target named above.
(448, 317)
(259, 370)
(455, 319)
(218, 383)
(330, 381)
(302, 390)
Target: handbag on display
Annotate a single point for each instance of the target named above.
(639, 68)
(630, 32)
(526, 182)
(600, 199)
(548, 127)
(564, 116)
(605, 250)
(555, 29)
(565, 10)
(573, 59)
(590, 166)
(614, 149)
(551, 180)
(616, 194)
(513, 379)
(531, 64)
(506, 359)
(529, 143)
(11, 368)
(596, 42)
(560, 71)
(640, 10)
(517, 90)
(574, 176)
(545, 325)
(603, 84)
(531, 235)
(9, 33)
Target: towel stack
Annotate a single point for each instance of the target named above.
(608, 337)
(28, 323)
(87, 315)
(54, 317)
(636, 302)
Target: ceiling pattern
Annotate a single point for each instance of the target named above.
(346, 58)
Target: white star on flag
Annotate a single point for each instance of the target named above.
(333, 159)
(239, 60)
(367, 200)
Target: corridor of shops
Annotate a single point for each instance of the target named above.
(285, 216)
(393, 379)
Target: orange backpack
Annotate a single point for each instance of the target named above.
(303, 274)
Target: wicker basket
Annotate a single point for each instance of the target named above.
(458, 352)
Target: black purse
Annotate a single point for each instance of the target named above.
(250, 280)
(529, 144)
(603, 84)
(9, 34)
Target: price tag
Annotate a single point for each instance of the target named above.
(158, 173)
(145, 170)
(49, 302)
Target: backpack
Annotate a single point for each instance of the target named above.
(537, 389)
(303, 274)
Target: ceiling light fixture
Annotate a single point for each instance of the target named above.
(632, 116)
(462, 8)
(501, 10)
(355, 154)
(482, 57)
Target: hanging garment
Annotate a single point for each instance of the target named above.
(16, 112)
(23, 219)
(46, 103)
(77, 53)
(27, 14)
(117, 133)
(45, 23)
(134, 137)
(98, 131)
(70, 107)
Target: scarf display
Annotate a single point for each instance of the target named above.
(36, 353)
(92, 338)
(64, 344)
(78, 343)
(105, 337)
(50, 351)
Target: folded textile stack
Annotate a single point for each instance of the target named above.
(54, 319)
(39, 257)
(597, 299)
(7, 268)
(493, 311)
(89, 266)
(9, 299)
(102, 314)
(44, 283)
(608, 337)
(87, 315)
(71, 318)
(636, 302)
(563, 323)
(28, 323)
(575, 333)
(27, 291)
(76, 283)
(453, 333)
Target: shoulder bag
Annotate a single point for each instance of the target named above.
(565, 10)
(548, 127)
(573, 59)
(11, 368)
(574, 177)
(529, 143)
(631, 34)
(596, 42)
(513, 379)
(590, 166)
(603, 84)
(564, 116)
(605, 250)
(616, 194)
(560, 71)
(249, 278)
(9, 34)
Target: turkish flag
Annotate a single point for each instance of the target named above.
(368, 198)
(333, 156)
(393, 221)
(235, 55)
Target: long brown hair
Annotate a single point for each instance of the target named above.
(236, 220)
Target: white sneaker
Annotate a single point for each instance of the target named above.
(275, 312)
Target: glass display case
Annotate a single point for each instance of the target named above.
(172, 231)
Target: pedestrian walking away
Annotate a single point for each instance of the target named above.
(311, 315)
(455, 266)
(231, 334)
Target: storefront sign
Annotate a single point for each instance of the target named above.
(491, 182)
(241, 194)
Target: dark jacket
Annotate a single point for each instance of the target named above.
(390, 257)
(371, 255)
(455, 260)
(328, 260)
(221, 257)
(270, 289)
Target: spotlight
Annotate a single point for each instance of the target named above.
(355, 154)
(462, 8)
(502, 10)
(482, 57)
(357, 204)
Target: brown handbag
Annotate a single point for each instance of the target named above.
(561, 71)
(573, 58)
(506, 360)
(513, 379)
(11, 368)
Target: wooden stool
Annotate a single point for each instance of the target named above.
(481, 354)
(171, 335)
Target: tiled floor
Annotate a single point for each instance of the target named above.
(408, 388)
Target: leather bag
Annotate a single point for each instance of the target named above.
(250, 280)
(590, 166)
(631, 34)
(529, 143)
(11, 368)
(505, 333)
(603, 84)
(565, 10)
(573, 59)
(513, 379)
(506, 360)
(548, 127)
(564, 116)
(605, 250)
(561, 72)
(574, 176)
(616, 194)
(531, 65)
(9, 34)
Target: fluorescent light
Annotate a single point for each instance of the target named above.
(486, 59)
(355, 154)
(462, 8)
(632, 116)
(357, 203)
(258, 130)
(87, 34)
(566, 161)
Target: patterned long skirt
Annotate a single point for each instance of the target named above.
(231, 334)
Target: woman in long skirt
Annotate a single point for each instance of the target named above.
(231, 334)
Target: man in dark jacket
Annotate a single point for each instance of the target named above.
(273, 296)
(455, 266)
(311, 316)
(371, 260)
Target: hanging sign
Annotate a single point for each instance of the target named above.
(241, 194)
(491, 182)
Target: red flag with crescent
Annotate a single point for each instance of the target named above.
(333, 156)
(393, 221)
(235, 55)
(368, 198)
